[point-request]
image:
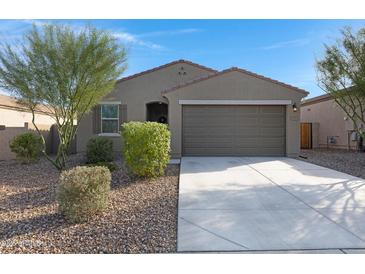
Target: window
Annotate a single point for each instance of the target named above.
(109, 118)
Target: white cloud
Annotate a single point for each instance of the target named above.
(35, 22)
(287, 44)
(15, 29)
(169, 32)
(133, 39)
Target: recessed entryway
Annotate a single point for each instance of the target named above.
(267, 203)
(157, 112)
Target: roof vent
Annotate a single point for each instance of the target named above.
(182, 72)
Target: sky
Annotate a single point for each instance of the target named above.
(285, 50)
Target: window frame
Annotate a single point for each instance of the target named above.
(110, 119)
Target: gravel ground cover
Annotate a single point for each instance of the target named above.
(141, 217)
(350, 162)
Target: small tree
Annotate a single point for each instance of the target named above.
(341, 73)
(66, 71)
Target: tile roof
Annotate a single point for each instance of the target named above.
(239, 70)
(316, 99)
(165, 66)
(11, 103)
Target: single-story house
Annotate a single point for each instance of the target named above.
(209, 112)
(328, 124)
(13, 114)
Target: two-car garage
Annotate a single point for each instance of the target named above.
(234, 113)
(252, 130)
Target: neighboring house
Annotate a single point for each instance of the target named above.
(12, 114)
(209, 112)
(330, 125)
(16, 119)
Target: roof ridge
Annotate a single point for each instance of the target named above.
(195, 80)
(272, 80)
(165, 66)
(319, 98)
(239, 70)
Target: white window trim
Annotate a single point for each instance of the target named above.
(235, 102)
(110, 103)
(111, 134)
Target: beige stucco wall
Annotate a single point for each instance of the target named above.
(235, 86)
(16, 118)
(14, 122)
(5, 137)
(331, 122)
(9, 133)
(136, 93)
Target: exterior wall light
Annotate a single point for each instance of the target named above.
(295, 109)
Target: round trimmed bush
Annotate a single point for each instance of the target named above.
(99, 149)
(109, 165)
(83, 192)
(146, 148)
(27, 146)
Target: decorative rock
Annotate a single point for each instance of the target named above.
(141, 216)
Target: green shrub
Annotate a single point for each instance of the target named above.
(146, 148)
(83, 192)
(99, 149)
(109, 165)
(27, 146)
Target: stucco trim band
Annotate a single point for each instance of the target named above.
(235, 102)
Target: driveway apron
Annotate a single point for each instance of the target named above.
(266, 203)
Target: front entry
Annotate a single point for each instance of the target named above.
(157, 112)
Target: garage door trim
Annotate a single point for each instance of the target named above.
(235, 102)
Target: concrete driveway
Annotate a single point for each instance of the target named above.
(265, 203)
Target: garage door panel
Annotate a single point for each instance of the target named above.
(209, 145)
(203, 131)
(272, 132)
(273, 121)
(234, 130)
(263, 142)
(208, 111)
(208, 138)
(272, 109)
(272, 142)
(209, 114)
(247, 110)
(255, 133)
(209, 122)
(246, 121)
(246, 142)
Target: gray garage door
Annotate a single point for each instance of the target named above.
(233, 130)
